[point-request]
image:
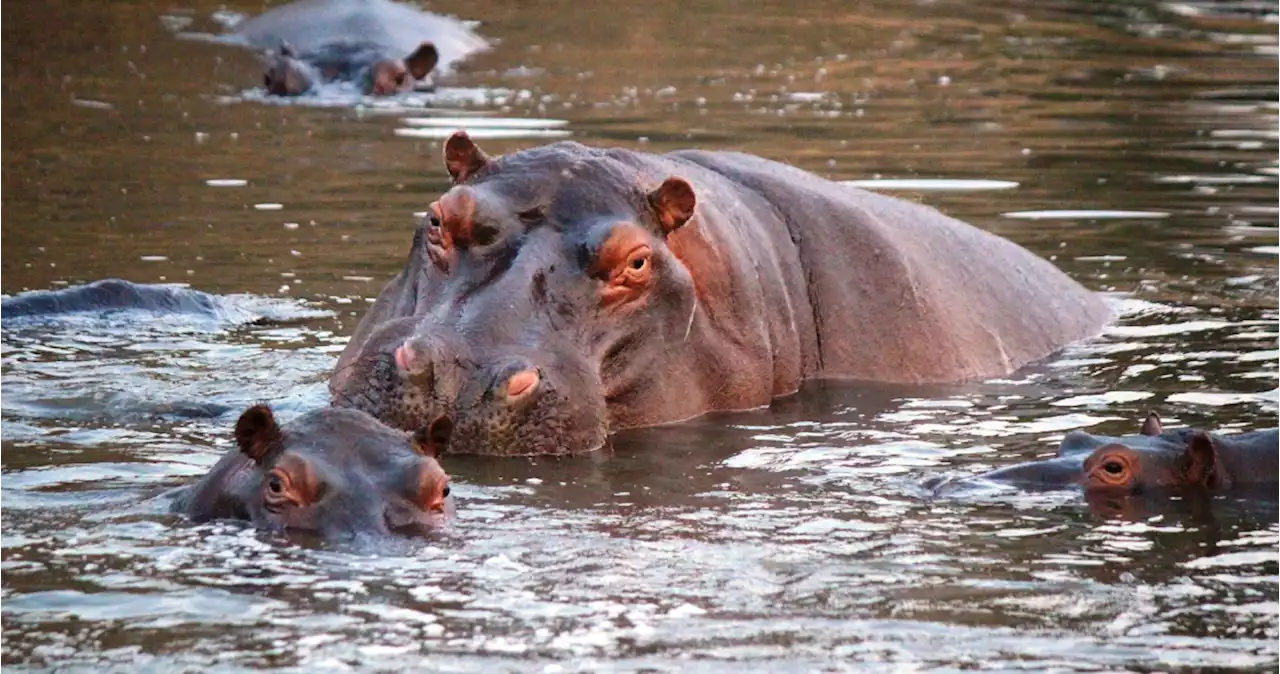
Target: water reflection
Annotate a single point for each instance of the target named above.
(796, 537)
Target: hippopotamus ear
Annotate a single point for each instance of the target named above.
(422, 61)
(287, 49)
(257, 432)
(434, 439)
(462, 157)
(1152, 425)
(673, 202)
(1201, 460)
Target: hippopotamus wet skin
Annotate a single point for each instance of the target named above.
(1153, 460)
(108, 295)
(383, 46)
(564, 292)
(334, 472)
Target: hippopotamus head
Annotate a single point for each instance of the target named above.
(1150, 461)
(286, 74)
(540, 291)
(333, 472)
(389, 76)
(289, 73)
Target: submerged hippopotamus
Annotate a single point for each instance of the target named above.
(384, 47)
(1153, 460)
(564, 292)
(110, 295)
(332, 472)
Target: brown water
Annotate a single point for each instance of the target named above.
(790, 539)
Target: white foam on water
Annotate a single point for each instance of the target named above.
(1085, 215)
(1164, 329)
(1229, 179)
(485, 122)
(1107, 398)
(1218, 399)
(441, 133)
(932, 184)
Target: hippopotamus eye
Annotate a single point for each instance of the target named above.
(445, 492)
(275, 485)
(400, 80)
(1113, 467)
(434, 221)
(638, 263)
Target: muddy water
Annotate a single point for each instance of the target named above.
(1134, 143)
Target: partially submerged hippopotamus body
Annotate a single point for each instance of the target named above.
(1153, 460)
(382, 46)
(332, 472)
(111, 295)
(561, 293)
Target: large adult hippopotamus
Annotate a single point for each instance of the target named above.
(383, 46)
(332, 472)
(1153, 460)
(560, 293)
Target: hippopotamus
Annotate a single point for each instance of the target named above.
(561, 293)
(111, 294)
(1154, 460)
(332, 472)
(382, 46)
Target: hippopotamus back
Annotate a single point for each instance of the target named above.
(310, 25)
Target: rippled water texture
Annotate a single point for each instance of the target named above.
(1134, 143)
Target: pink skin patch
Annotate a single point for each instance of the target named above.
(521, 383)
(405, 357)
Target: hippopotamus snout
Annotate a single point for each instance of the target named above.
(1046, 475)
(1049, 474)
(504, 405)
(514, 383)
(417, 376)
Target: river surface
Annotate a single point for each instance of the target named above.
(1133, 143)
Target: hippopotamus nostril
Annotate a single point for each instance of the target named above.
(415, 363)
(405, 356)
(522, 384)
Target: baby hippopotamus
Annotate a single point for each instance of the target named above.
(332, 472)
(1153, 460)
